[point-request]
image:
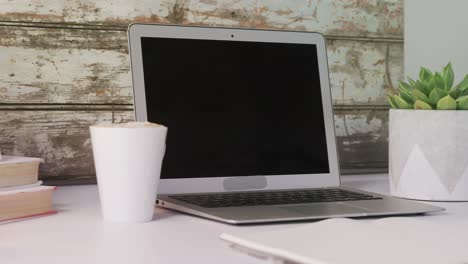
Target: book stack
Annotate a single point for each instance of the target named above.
(22, 195)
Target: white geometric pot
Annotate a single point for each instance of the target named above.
(428, 154)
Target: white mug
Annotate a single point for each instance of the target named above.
(128, 159)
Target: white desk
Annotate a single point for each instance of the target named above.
(77, 234)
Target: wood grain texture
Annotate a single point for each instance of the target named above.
(63, 66)
(61, 138)
(363, 73)
(123, 116)
(373, 18)
(53, 65)
(362, 138)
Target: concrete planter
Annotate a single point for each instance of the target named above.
(428, 154)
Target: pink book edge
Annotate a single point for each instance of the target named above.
(4, 221)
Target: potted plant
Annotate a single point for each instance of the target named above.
(428, 137)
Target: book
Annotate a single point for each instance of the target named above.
(339, 241)
(16, 171)
(25, 202)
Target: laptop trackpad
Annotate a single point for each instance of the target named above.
(326, 209)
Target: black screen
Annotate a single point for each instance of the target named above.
(235, 108)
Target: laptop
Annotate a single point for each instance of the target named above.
(251, 137)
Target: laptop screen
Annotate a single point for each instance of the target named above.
(235, 108)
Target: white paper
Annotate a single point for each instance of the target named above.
(384, 241)
(18, 188)
(128, 162)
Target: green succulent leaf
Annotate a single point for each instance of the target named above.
(432, 90)
(463, 85)
(463, 92)
(406, 95)
(425, 74)
(405, 85)
(418, 95)
(454, 93)
(462, 103)
(401, 103)
(420, 105)
(448, 76)
(447, 103)
(424, 87)
(411, 82)
(438, 81)
(436, 95)
(391, 102)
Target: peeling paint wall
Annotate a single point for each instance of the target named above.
(65, 66)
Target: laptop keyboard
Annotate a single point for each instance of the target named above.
(272, 197)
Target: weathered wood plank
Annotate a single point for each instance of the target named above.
(374, 18)
(71, 52)
(53, 65)
(37, 37)
(123, 116)
(364, 72)
(362, 138)
(343, 17)
(66, 107)
(61, 138)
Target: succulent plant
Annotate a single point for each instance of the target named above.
(433, 91)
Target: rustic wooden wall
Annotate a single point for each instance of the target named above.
(64, 66)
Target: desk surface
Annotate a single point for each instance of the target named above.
(78, 235)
